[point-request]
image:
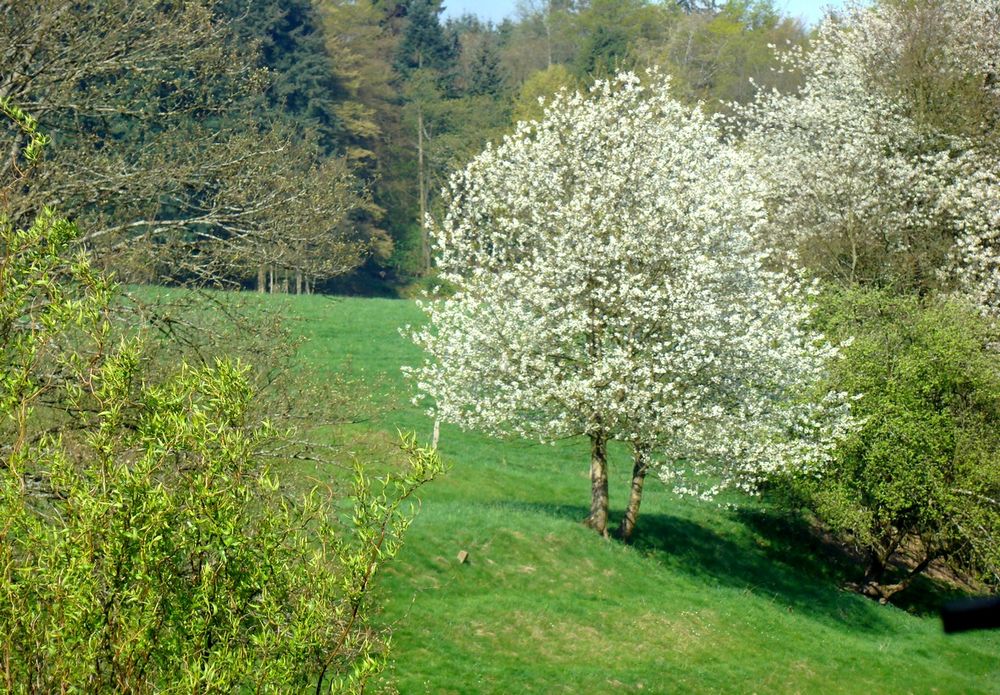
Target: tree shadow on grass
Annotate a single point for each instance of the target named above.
(778, 563)
(926, 595)
(802, 546)
(772, 557)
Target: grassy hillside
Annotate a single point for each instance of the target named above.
(707, 599)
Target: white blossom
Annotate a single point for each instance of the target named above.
(850, 177)
(610, 283)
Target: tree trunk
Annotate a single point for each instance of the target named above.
(298, 281)
(272, 279)
(883, 592)
(425, 249)
(878, 564)
(548, 33)
(261, 278)
(879, 553)
(875, 572)
(598, 519)
(639, 469)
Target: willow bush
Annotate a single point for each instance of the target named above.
(146, 543)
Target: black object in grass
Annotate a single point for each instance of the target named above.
(971, 614)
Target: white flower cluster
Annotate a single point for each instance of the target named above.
(610, 282)
(975, 257)
(974, 50)
(973, 28)
(845, 169)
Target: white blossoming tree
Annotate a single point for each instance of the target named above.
(885, 169)
(975, 257)
(881, 169)
(609, 285)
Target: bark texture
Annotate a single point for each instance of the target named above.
(598, 518)
(639, 469)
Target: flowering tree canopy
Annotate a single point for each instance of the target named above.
(609, 283)
(881, 170)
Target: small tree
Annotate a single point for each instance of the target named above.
(529, 104)
(921, 476)
(144, 538)
(608, 284)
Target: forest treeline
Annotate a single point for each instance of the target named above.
(289, 145)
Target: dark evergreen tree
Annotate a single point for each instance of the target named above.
(424, 44)
(605, 52)
(426, 61)
(485, 74)
(691, 6)
(390, 10)
(291, 45)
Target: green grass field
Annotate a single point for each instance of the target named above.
(706, 600)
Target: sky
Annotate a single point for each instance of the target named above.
(496, 10)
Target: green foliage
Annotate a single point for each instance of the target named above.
(304, 85)
(407, 258)
(165, 554)
(424, 45)
(146, 543)
(544, 84)
(605, 52)
(485, 73)
(610, 31)
(28, 127)
(729, 54)
(922, 475)
(47, 297)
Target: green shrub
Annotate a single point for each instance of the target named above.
(922, 474)
(145, 543)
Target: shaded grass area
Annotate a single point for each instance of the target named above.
(706, 600)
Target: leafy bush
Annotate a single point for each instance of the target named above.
(145, 543)
(922, 474)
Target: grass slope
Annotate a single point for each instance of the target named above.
(707, 600)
